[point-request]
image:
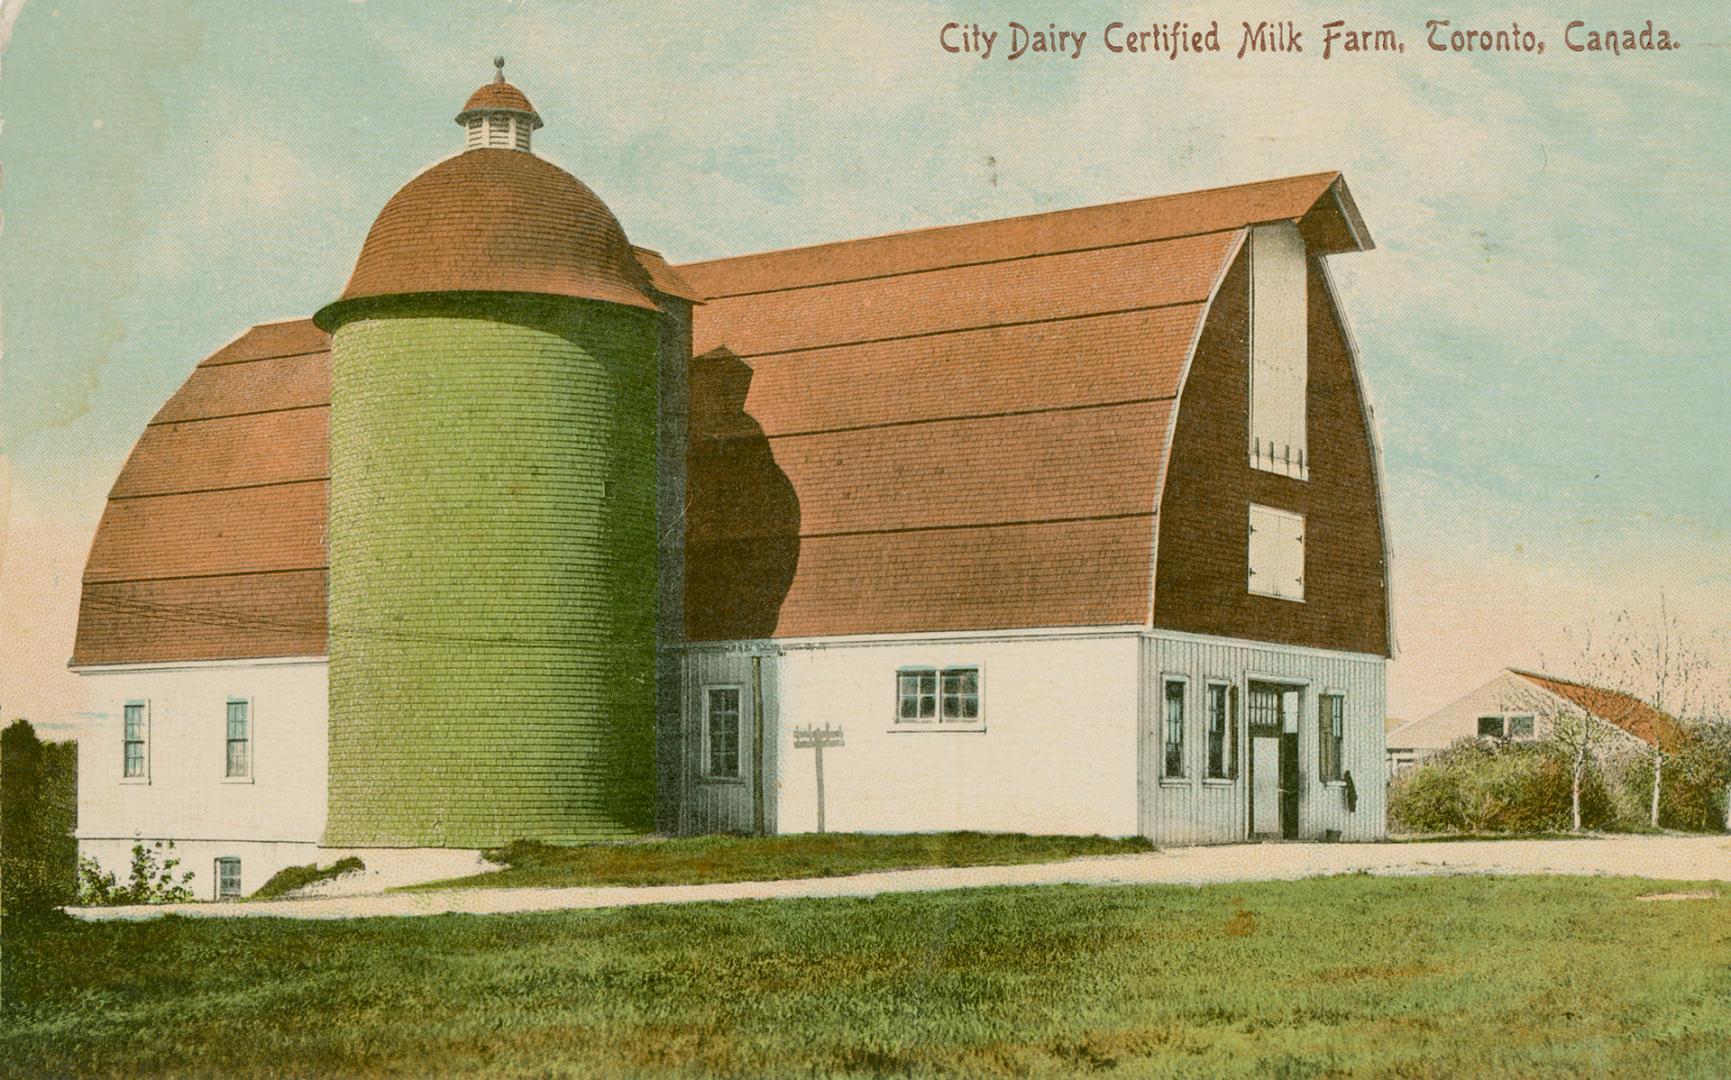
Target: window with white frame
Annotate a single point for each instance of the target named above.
(228, 878)
(239, 739)
(1331, 735)
(721, 717)
(1222, 731)
(1506, 726)
(1276, 553)
(1279, 349)
(1173, 715)
(926, 695)
(134, 739)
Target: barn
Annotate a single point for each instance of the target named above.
(1067, 523)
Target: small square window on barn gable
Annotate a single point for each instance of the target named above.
(1279, 349)
(1276, 553)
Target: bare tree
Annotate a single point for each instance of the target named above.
(1653, 662)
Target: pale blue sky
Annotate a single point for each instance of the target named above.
(1542, 324)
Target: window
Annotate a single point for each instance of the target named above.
(948, 695)
(1331, 736)
(721, 732)
(1519, 726)
(134, 731)
(239, 740)
(1174, 729)
(1279, 349)
(917, 695)
(1276, 553)
(228, 878)
(1222, 731)
(961, 693)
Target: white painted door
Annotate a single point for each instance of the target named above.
(1265, 784)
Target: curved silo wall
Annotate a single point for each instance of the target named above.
(493, 575)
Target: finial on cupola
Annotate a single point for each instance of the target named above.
(498, 116)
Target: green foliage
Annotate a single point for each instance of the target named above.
(1344, 976)
(38, 813)
(1692, 784)
(290, 878)
(1480, 786)
(697, 859)
(147, 882)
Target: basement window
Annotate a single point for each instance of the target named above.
(1276, 553)
(926, 695)
(228, 878)
(721, 716)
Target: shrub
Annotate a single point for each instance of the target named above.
(38, 813)
(290, 878)
(147, 882)
(1480, 786)
(1692, 786)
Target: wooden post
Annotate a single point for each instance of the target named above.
(758, 825)
(815, 739)
(1658, 776)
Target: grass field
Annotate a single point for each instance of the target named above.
(702, 859)
(1348, 975)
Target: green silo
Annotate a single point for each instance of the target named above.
(492, 529)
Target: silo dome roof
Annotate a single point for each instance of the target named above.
(495, 220)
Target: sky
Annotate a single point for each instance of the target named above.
(1541, 324)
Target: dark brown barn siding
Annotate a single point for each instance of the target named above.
(1202, 584)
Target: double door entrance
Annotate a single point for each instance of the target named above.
(1274, 784)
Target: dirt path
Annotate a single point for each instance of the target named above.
(1677, 858)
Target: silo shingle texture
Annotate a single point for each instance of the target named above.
(493, 576)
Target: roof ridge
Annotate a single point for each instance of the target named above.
(924, 229)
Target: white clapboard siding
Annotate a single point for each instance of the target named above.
(711, 805)
(1198, 811)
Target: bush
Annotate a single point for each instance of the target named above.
(290, 878)
(38, 815)
(1692, 784)
(147, 883)
(1480, 786)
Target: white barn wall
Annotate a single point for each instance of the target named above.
(1057, 754)
(272, 820)
(1196, 810)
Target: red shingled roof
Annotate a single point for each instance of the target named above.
(498, 221)
(1615, 707)
(212, 544)
(496, 96)
(961, 428)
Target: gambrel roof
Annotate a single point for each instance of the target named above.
(960, 428)
(974, 420)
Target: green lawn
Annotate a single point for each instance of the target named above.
(1352, 975)
(701, 859)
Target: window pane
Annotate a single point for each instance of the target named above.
(1217, 732)
(723, 732)
(134, 759)
(1520, 727)
(1175, 729)
(1491, 727)
(237, 757)
(961, 688)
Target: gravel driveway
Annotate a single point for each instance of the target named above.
(1679, 858)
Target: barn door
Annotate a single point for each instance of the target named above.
(1274, 786)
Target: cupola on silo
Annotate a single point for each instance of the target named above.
(492, 517)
